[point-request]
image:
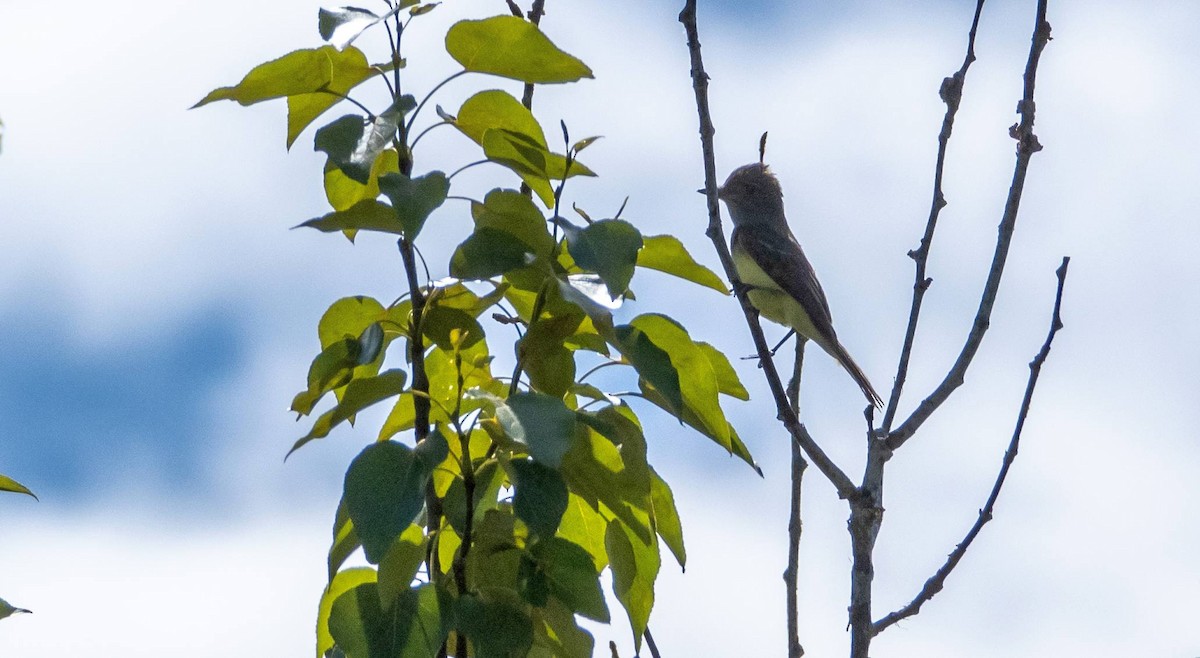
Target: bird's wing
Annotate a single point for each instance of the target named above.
(779, 255)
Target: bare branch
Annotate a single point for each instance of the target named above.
(1027, 145)
(795, 522)
(938, 580)
(844, 485)
(951, 94)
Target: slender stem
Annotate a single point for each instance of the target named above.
(417, 111)
(465, 167)
(1027, 145)
(467, 467)
(845, 487)
(423, 132)
(938, 580)
(651, 644)
(795, 522)
(951, 94)
(364, 108)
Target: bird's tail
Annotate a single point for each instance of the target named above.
(843, 357)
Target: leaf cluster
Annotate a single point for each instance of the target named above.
(488, 506)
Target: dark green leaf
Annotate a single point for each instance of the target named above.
(541, 422)
(666, 253)
(540, 498)
(511, 47)
(635, 566)
(354, 144)
(549, 364)
(399, 566)
(496, 624)
(652, 363)
(557, 635)
(572, 576)
(487, 253)
(608, 247)
(414, 199)
(384, 492)
(439, 322)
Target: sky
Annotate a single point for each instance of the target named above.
(158, 314)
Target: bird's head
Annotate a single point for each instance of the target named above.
(752, 194)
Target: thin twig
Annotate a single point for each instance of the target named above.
(938, 580)
(844, 485)
(795, 522)
(951, 94)
(1027, 145)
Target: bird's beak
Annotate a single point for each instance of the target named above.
(704, 191)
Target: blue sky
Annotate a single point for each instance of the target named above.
(157, 315)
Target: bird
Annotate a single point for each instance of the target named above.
(778, 278)
(7, 609)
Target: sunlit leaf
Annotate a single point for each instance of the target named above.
(399, 566)
(341, 583)
(345, 540)
(9, 484)
(727, 378)
(354, 144)
(349, 69)
(666, 253)
(557, 635)
(511, 47)
(666, 517)
(413, 627)
(298, 72)
(343, 192)
(635, 566)
(582, 524)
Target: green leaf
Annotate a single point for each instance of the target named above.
(497, 109)
(539, 421)
(354, 144)
(557, 635)
(384, 492)
(414, 199)
(594, 470)
(727, 378)
(666, 253)
(366, 215)
(695, 378)
(572, 577)
(345, 541)
(9, 484)
(511, 47)
(495, 622)
(513, 212)
(349, 68)
(734, 445)
(582, 524)
(360, 394)
(540, 498)
(653, 365)
(399, 566)
(635, 566)
(414, 627)
(666, 518)
(343, 192)
(608, 247)
(339, 363)
(298, 72)
(548, 363)
(341, 583)
(487, 253)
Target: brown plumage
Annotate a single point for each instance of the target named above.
(783, 284)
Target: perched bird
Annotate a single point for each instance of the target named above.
(781, 282)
